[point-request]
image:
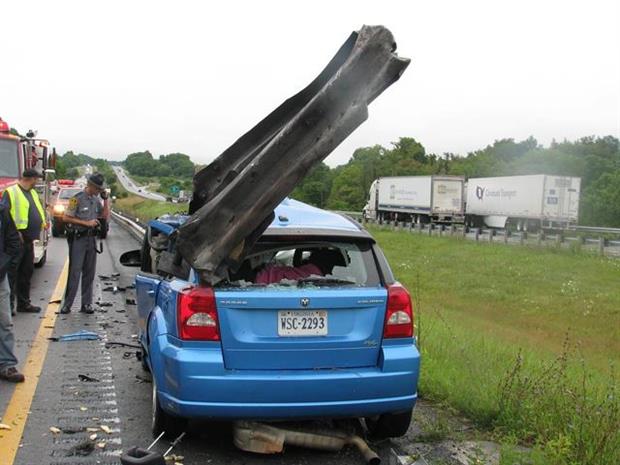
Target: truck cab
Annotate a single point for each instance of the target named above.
(18, 153)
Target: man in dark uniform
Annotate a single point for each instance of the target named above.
(81, 219)
(27, 211)
(9, 247)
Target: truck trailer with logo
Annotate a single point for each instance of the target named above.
(417, 199)
(528, 202)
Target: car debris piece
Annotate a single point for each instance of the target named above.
(55, 430)
(82, 449)
(234, 196)
(266, 439)
(87, 379)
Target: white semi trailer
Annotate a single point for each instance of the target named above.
(419, 199)
(526, 202)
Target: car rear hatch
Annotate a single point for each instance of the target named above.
(315, 304)
(301, 328)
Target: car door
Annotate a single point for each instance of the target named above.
(147, 286)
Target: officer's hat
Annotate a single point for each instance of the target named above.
(97, 180)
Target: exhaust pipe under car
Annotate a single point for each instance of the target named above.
(265, 439)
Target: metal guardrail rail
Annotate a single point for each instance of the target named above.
(601, 245)
(133, 227)
(598, 229)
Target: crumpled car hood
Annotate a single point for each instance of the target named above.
(234, 196)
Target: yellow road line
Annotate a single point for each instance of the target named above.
(18, 409)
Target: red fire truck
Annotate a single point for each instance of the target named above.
(18, 153)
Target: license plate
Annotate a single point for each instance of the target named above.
(302, 323)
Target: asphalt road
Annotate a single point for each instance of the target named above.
(119, 398)
(132, 187)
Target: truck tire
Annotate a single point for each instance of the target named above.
(389, 425)
(41, 262)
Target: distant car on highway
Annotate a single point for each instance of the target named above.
(311, 325)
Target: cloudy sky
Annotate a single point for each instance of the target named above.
(110, 78)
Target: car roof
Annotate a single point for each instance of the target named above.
(293, 218)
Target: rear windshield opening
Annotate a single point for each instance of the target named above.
(322, 264)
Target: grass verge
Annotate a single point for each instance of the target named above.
(145, 209)
(523, 341)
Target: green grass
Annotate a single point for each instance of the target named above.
(145, 209)
(522, 340)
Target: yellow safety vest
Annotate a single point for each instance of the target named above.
(20, 206)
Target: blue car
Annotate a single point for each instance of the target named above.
(312, 324)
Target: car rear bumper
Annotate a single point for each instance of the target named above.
(192, 382)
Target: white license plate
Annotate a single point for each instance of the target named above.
(302, 323)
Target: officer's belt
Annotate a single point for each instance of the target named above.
(78, 234)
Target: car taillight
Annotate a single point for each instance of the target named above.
(399, 314)
(197, 315)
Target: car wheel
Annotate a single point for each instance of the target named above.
(389, 425)
(143, 362)
(162, 421)
(55, 231)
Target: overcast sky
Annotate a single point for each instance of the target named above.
(110, 78)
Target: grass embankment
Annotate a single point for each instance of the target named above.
(145, 209)
(524, 341)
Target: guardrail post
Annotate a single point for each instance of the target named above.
(441, 226)
(601, 245)
(452, 228)
(464, 230)
(491, 234)
(476, 234)
(506, 234)
(539, 239)
(522, 237)
(559, 238)
(430, 229)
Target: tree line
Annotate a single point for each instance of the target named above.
(596, 160)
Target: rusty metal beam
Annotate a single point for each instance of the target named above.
(234, 197)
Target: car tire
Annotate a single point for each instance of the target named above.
(143, 362)
(389, 425)
(162, 421)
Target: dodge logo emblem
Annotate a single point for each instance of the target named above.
(304, 301)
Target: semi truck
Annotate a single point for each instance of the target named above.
(528, 202)
(18, 153)
(418, 199)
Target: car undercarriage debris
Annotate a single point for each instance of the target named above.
(266, 439)
(234, 197)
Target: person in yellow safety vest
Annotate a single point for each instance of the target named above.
(23, 203)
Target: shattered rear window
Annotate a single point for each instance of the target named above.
(286, 264)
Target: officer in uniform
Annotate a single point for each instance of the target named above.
(81, 216)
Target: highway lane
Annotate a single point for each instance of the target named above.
(132, 187)
(120, 397)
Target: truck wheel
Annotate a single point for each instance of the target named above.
(389, 425)
(41, 262)
(162, 421)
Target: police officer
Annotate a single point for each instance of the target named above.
(81, 217)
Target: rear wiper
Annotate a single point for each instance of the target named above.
(323, 280)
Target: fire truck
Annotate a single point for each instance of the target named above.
(18, 153)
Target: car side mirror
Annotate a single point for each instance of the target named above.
(131, 258)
